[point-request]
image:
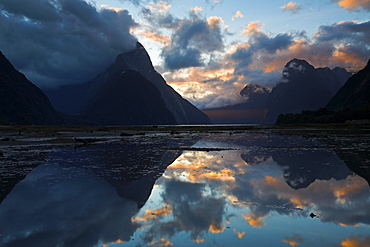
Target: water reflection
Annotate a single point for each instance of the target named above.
(84, 196)
(261, 193)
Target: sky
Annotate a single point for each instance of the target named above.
(207, 50)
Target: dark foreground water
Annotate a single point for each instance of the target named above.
(242, 189)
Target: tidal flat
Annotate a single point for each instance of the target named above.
(304, 185)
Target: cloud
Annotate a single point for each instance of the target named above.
(260, 57)
(158, 37)
(354, 5)
(238, 14)
(181, 58)
(293, 240)
(160, 7)
(291, 7)
(342, 44)
(356, 241)
(192, 212)
(196, 9)
(192, 37)
(63, 41)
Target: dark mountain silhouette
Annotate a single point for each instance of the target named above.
(108, 182)
(303, 88)
(21, 101)
(136, 101)
(82, 98)
(252, 110)
(304, 167)
(351, 102)
(355, 93)
(333, 79)
(255, 95)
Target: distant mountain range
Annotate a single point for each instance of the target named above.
(130, 92)
(252, 110)
(351, 102)
(302, 87)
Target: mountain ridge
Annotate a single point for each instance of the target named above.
(302, 87)
(21, 101)
(136, 60)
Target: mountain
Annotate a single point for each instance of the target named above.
(21, 101)
(303, 88)
(255, 95)
(252, 110)
(119, 103)
(355, 93)
(83, 99)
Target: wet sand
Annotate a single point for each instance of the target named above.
(63, 136)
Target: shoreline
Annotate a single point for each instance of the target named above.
(47, 137)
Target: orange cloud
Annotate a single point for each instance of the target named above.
(345, 225)
(238, 14)
(292, 7)
(239, 234)
(216, 228)
(115, 242)
(215, 21)
(149, 214)
(104, 6)
(356, 241)
(164, 39)
(198, 241)
(161, 242)
(253, 220)
(352, 5)
(341, 55)
(294, 240)
(252, 28)
(160, 7)
(196, 9)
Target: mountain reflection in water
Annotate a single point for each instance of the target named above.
(259, 192)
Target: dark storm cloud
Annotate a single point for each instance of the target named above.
(348, 38)
(199, 33)
(350, 31)
(191, 37)
(259, 42)
(160, 20)
(195, 36)
(181, 58)
(62, 41)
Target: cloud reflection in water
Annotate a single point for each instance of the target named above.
(256, 192)
(261, 193)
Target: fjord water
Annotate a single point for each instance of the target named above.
(229, 189)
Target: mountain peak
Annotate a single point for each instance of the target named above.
(137, 59)
(252, 88)
(297, 66)
(130, 70)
